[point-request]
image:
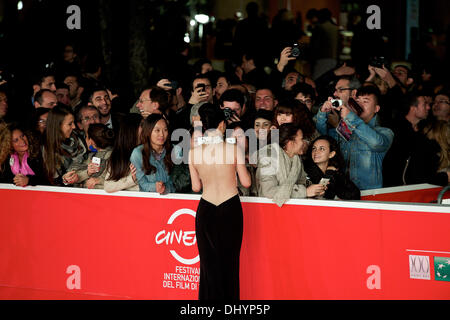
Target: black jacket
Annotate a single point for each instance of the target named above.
(423, 164)
(340, 185)
(6, 175)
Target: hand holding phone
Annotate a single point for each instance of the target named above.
(324, 181)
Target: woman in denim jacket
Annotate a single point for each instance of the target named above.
(152, 158)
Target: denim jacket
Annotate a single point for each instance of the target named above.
(148, 182)
(365, 150)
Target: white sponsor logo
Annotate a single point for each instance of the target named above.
(187, 238)
(419, 267)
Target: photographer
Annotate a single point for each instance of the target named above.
(346, 87)
(398, 82)
(285, 75)
(362, 141)
(232, 102)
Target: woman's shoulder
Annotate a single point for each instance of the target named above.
(137, 150)
(105, 153)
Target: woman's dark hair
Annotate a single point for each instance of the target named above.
(125, 142)
(287, 106)
(37, 114)
(338, 160)
(288, 132)
(54, 138)
(101, 134)
(264, 114)
(305, 89)
(147, 128)
(199, 64)
(211, 116)
(303, 119)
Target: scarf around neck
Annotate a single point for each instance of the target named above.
(20, 168)
(286, 169)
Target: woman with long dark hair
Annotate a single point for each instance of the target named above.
(152, 158)
(121, 173)
(62, 146)
(324, 160)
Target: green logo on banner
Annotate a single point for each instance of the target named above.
(442, 269)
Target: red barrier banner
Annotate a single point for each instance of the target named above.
(419, 193)
(63, 243)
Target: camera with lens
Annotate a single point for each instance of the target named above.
(295, 51)
(378, 62)
(173, 85)
(336, 103)
(229, 113)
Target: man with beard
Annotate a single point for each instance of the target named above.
(100, 99)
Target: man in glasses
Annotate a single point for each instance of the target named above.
(87, 115)
(346, 87)
(362, 141)
(153, 100)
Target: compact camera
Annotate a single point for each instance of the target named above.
(295, 52)
(336, 103)
(173, 85)
(378, 62)
(228, 113)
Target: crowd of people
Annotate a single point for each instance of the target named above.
(330, 137)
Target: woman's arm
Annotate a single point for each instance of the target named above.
(121, 184)
(195, 178)
(241, 169)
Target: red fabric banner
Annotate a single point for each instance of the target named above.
(65, 245)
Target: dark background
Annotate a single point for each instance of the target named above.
(139, 40)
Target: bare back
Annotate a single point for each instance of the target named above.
(215, 165)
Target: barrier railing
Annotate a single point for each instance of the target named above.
(64, 243)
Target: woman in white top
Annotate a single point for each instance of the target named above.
(280, 175)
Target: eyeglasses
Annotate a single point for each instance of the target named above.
(143, 100)
(442, 101)
(87, 119)
(343, 89)
(42, 122)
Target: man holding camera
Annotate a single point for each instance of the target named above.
(363, 143)
(202, 91)
(346, 87)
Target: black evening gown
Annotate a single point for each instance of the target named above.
(219, 237)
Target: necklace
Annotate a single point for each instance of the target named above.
(209, 140)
